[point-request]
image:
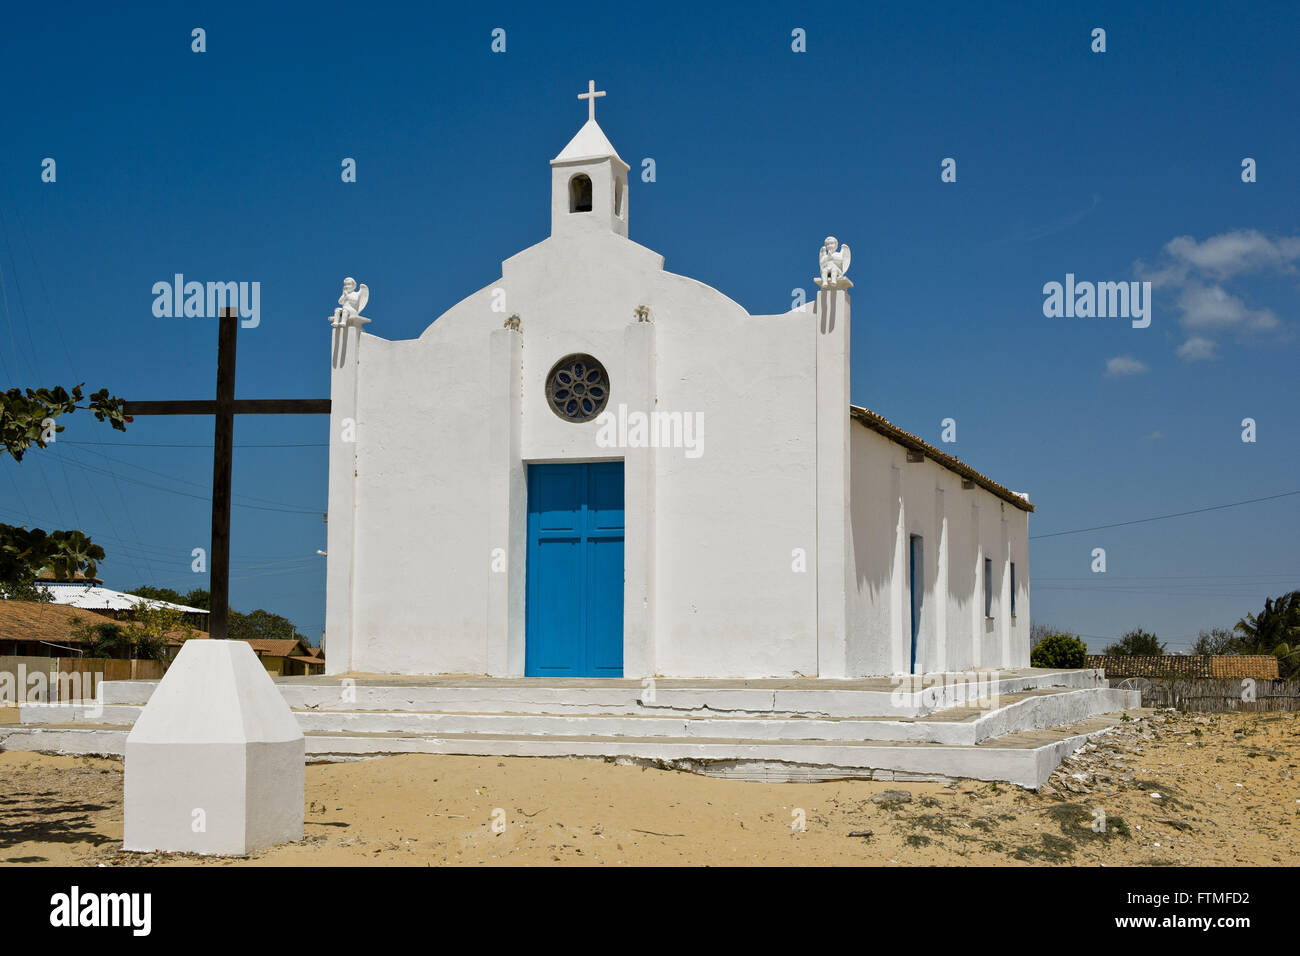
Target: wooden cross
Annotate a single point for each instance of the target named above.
(590, 97)
(225, 408)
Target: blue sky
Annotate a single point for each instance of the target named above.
(1113, 166)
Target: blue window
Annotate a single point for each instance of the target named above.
(1013, 589)
(988, 587)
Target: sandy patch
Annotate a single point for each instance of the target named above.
(1227, 785)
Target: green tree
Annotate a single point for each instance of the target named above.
(1217, 640)
(1275, 630)
(1058, 650)
(158, 594)
(1278, 623)
(101, 638)
(25, 591)
(30, 418)
(151, 626)
(262, 625)
(1136, 643)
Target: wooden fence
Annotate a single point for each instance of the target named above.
(1211, 695)
(55, 679)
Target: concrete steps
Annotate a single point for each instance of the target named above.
(794, 697)
(760, 730)
(1025, 758)
(965, 726)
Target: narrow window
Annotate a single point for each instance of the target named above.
(988, 587)
(916, 578)
(1013, 589)
(580, 193)
(618, 198)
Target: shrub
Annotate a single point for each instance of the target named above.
(1136, 643)
(1059, 650)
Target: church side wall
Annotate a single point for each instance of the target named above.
(892, 500)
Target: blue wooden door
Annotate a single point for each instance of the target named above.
(574, 611)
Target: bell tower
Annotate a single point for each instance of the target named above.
(589, 180)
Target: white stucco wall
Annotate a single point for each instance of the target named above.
(893, 499)
(727, 601)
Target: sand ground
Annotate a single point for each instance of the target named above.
(1226, 785)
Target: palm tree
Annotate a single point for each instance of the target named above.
(1278, 623)
(1275, 630)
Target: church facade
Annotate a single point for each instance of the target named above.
(593, 467)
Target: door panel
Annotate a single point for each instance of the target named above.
(574, 613)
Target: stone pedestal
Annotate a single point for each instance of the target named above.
(215, 762)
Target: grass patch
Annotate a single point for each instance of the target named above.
(1052, 849)
(934, 822)
(1076, 821)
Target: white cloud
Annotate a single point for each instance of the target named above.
(1239, 251)
(1213, 307)
(1194, 276)
(1125, 365)
(1195, 349)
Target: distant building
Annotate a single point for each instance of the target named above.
(35, 629)
(286, 658)
(89, 594)
(1186, 666)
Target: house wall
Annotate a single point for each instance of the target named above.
(275, 666)
(893, 499)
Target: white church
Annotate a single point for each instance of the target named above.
(593, 467)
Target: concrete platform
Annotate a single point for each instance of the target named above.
(760, 730)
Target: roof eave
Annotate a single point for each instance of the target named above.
(891, 431)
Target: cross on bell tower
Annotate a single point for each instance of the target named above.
(589, 181)
(590, 97)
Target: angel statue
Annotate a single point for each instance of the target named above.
(834, 265)
(351, 302)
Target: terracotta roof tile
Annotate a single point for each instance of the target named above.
(879, 423)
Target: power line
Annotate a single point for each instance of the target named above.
(40, 278)
(184, 494)
(159, 553)
(1172, 577)
(140, 444)
(183, 481)
(1178, 514)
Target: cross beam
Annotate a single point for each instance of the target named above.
(224, 408)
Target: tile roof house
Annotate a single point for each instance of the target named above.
(1186, 666)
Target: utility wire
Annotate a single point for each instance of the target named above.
(140, 444)
(1177, 514)
(186, 494)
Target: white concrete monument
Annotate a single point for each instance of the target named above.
(215, 762)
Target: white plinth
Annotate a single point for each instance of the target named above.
(215, 761)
